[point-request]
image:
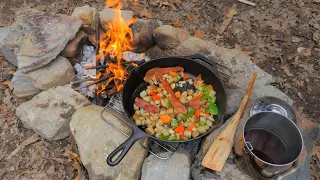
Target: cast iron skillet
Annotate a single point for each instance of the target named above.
(135, 84)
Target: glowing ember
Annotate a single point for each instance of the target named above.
(116, 40)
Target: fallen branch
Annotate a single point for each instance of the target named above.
(81, 80)
(228, 18)
(247, 2)
(91, 83)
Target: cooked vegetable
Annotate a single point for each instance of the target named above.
(165, 118)
(175, 106)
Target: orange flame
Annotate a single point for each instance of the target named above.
(117, 39)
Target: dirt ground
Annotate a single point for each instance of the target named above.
(282, 37)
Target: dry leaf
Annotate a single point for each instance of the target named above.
(145, 13)
(229, 15)
(190, 17)
(198, 34)
(239, 48)
(9, 84)
(167, 4)
(273, 25)
(316, 151)
(286, 70)
(178, 23)
(307, 53)
(4, 108)
(76, 164)
(296, 59)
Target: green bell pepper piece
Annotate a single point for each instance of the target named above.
(191, 112)
(185, 117)
(205, 88)
(212, 109)
(174, 122)
(201, 123)
(212, 99)
(169, 104)
(163, 137)
(205, 95)
(172, 138)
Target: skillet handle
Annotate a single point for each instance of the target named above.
(124, 147)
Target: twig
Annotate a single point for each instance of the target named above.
(92, 83)
(32, 139)
(81, 80)
(247, 2)
(96, 67)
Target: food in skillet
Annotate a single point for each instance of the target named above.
(175, 106)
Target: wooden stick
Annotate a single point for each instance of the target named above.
(91, 83)
(219, 151)
(247, 2)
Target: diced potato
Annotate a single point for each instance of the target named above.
(135, 107)
(148, 91)
(143, 94)
(135, 116)
(189, 98)
(209, 123)
(159, 90)
(158, 134)
(183, 99)
(162, 112)
(146, 114)
(137, 112)
(147, 98)
(170, 111)
(178, 136)
(202, 129)
(207, 127)
(160, 122)
(170, 80)
(195, 134)
(164, 92)
(163, 103)
(187, 134)
(156, 130)
(173, 85)
(171, 131)
(203, 119)
(141, 118)
(211, 118)
(166, 132)
(153, 103)
(190, 92)
(143, 122)
(160, 94)
(184, 94)
(138, 122)
(157, 102)
(148, 122)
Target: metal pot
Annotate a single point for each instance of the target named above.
(272, 141)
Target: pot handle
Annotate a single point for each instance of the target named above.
(124, 148)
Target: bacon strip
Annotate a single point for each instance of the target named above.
(167, 70)
(146, 106)
(175, 102)
(195, 102)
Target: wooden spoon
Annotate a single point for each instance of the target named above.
(219, 151)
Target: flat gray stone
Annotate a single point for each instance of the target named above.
(177, 167)
(96, 139)
(49, 112)
(107, 14)
(145, 34)
(23, 85)
(57, 73)
(36, 38)
(8, 55)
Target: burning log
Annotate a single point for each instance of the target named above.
(102, 79)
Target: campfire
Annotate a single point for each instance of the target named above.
(113, 70)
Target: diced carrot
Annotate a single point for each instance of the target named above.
(207, 114)
(201, 94)
(194, 81)
(152, 93)
(185, 77)
(178, 94)
(210, 87)
(165, 118)
(172, 73)
(197, 113)
(179, 130)
(191, 127)
(155, 98)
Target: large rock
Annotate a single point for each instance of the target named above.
(73, 47)
(58, 72)
(36, 38)
(154, 51)
(23, 85)
(107, 14)
(167, 35)
(145, 34)
(96, 139)
(49, 112)
(8, 55)
(177, 167)
(87, 15)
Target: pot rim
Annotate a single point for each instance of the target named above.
(278, 165)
